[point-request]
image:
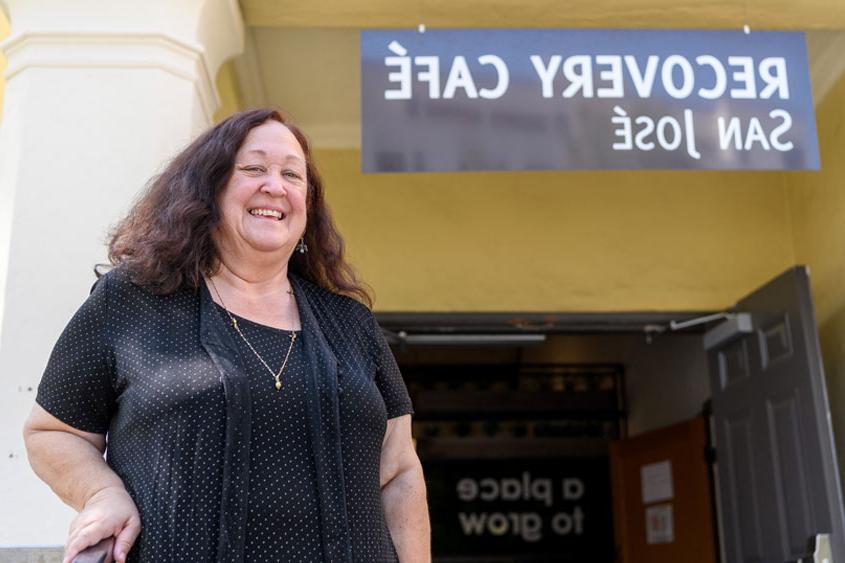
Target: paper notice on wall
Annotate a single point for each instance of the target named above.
(656, 480)
(659, 527)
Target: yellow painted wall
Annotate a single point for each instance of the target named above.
(560, 241)
(817, 201)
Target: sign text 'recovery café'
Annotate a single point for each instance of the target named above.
(497, 99)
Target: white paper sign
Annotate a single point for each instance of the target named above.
(656, 480)
(659, 527)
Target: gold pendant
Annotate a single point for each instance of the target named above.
(278, 385)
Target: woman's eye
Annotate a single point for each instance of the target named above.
(291, 174)
(253, 169)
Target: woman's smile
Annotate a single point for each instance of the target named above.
(267, 213)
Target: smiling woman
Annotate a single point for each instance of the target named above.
(166, 239)
(229, 269)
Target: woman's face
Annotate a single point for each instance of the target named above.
(262, 207)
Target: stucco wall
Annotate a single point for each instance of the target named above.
(560, 241)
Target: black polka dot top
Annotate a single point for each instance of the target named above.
(222, 466)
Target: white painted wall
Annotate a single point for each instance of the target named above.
(99, 95)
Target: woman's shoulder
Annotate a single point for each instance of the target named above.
(118, 283)
(335, 303)
(115, 280)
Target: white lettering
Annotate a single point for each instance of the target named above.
(493, 489)
(612, 75)
(774, 138)
(432, 75)
(541, 489)
(564, 524)
(773, 73)
(472, 523)
(532, 526)
(648, 129)
(756, 135)
(687, 77)
(511, 490)
(526, 525)
(546, 73)
(497, 524)
(663, 124)
(573, 489)
(744, 76)
(403, 77)
(643, 82)
(732, 131)
(503, 77)
(459, 77)
(582, 80)
(621, 118)
(689, 128)
(719, 87)
(467, 489)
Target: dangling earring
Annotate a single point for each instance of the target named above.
(301, 247)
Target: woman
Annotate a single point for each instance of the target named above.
(253, 409)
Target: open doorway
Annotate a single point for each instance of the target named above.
(516, 414)
(514, 430)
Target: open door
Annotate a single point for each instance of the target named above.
(662, 502)
(778, 481)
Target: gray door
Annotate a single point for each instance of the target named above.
(778, 479)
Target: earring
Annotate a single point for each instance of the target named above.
(301, 247)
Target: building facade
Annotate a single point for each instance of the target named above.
(96, 98)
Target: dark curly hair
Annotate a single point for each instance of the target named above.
(165, 241)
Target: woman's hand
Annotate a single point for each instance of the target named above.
(110, 512)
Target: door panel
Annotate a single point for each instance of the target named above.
(688, 507)
(793, 501)
(779, 482)
(744, 488)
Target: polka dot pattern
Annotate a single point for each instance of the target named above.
(132, 364)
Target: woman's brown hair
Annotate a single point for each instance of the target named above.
(165, 242)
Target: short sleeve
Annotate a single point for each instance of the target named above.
(389, 379)
(77, 384)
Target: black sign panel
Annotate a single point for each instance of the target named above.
(517, 99)
(528, 510)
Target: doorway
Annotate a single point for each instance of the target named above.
(774, 461)
(514, 436)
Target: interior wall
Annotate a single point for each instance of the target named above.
(817, 203)
(666, 380)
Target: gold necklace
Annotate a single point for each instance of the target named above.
(277, 376)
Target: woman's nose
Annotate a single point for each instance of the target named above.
(274, 186)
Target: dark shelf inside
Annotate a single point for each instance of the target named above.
(474, 448)
(458, 403)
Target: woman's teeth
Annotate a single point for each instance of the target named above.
(266, 213)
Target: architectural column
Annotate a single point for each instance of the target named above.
(98, 96)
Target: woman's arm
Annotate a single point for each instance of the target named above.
(403, 493)
(71, 462)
